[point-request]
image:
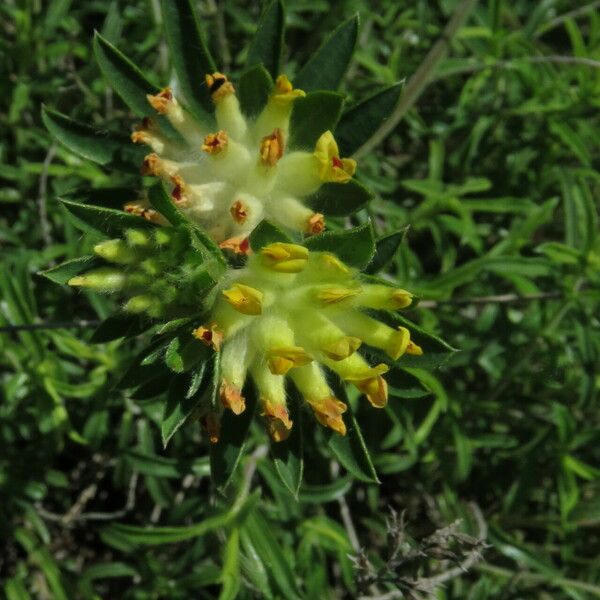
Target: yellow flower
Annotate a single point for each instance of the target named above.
(331, 166)
(284, 321)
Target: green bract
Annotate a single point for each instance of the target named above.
(260, 165)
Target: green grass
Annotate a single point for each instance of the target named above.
(493, 171)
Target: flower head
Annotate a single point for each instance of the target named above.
(278, 320)
(229, 177)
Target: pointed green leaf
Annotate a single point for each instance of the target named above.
(288, 454)
(350, 449)
(123, 76)
(100, 146)
(354, 246)
(180, 403)
(120, 325)
(184, 352)
(385, 250)
(226, 453)
(63, 272)
(161, 201)
(189, 53)
(313, 115)
(253, 89)
(268, 40)
(153, 536)
(328, 65)
(340, 199)
(266, 233)
(357, 125)
(108, 221)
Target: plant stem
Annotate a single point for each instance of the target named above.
(422, 76)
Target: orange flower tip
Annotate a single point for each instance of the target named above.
(239, 212)
(342, 348)
(375, 389)
(211, 424)
(271, 148)
(315, 224)
(160, 102)
(279, 423)
(218, 86)
(178, 192)
(238, 245)
(232, 398)
(210, 336)
(245, 299)
(281, 360)
(328, 412)
(336, 295)
(215, 143)
(414, 349)
(138, 209)
(152, 165)
(140, 137)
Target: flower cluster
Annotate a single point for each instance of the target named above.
(227, 179)
(291, 312)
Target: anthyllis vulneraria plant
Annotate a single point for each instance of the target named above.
(259, 164)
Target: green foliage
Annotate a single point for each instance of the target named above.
(484, 205)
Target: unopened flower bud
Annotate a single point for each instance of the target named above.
(285, 258)
(116, 251)
(100, 280)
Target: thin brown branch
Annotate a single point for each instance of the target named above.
(497, 299)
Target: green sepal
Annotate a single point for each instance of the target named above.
(328, 65)
(288, 454)
(403, 384)
(162, 202)
(123, 76)
(350, 449)
(226, 453)
(267, 43)
(312, 116)
(253, 89)
(358, 124)
(182, 398)
(189, 53)
(107, 221)
(120, 325)
(267, 233)
(184, 352)
(385, 250)
(101, 147)
(340, 199)
(354, 246)
(63, 272)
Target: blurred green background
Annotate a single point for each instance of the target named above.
(493, 169)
